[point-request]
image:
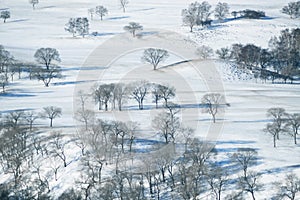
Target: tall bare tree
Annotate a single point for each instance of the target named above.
(51, 112)
(217, 179)
(101, 11)
(213, 103)
(189, 17)
(221, 10)
(154, 56)
(123, 4)
(46, 56)
(278, 117)
(289, 188)
(33, 2)
(5, 14)
(133, 27)
(47, 75)
(139, 90)
(292, 125)
(249, 180)
(120, 93)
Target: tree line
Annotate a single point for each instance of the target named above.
(45, 69)
(280, 61)
(181, 163)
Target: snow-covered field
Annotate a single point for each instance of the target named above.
(242, 123)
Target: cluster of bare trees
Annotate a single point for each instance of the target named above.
(292, 9)
(199, 13)
(187, 173)
(78, 26)
(114, 95)
(282, 122)
(249, 14)
(281, 61)
(45, 70)
(32, 159)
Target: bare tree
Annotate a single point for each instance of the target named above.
(30, 117)
(14, 119)
(85, 116)
(189, 17)
(205, 52)
(221, 11)
(248, 181)
(198, 156)
(124, 4)
(119, 129)
(155, 93)
(91, 11)
(82, 26)
(33, 2)
(292, 125)
(139, 91)
(46, 56)
(46, 75)
(101, 11)
(14, 153)
(292, 9)
(274, 130)
(167, 124)
(290, 188)
(212, 103)
(133, 27)
(103, 94)
(58, 147)
(6, 59)
(120, 93)
(3, 81)
(166, 93)
(223, 53)
(154, 56)
(51, 112)
(217, 179)
(71, 26)
(186, 134)
(278, 118)
(167, 127)
(55, 165)
(245, 158)
(5, 14)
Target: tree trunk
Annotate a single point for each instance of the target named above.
(274, 141)
(51, 119)
(252, 194)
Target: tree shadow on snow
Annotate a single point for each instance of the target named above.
(117, 18)
(144, 9)
(17, 20)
